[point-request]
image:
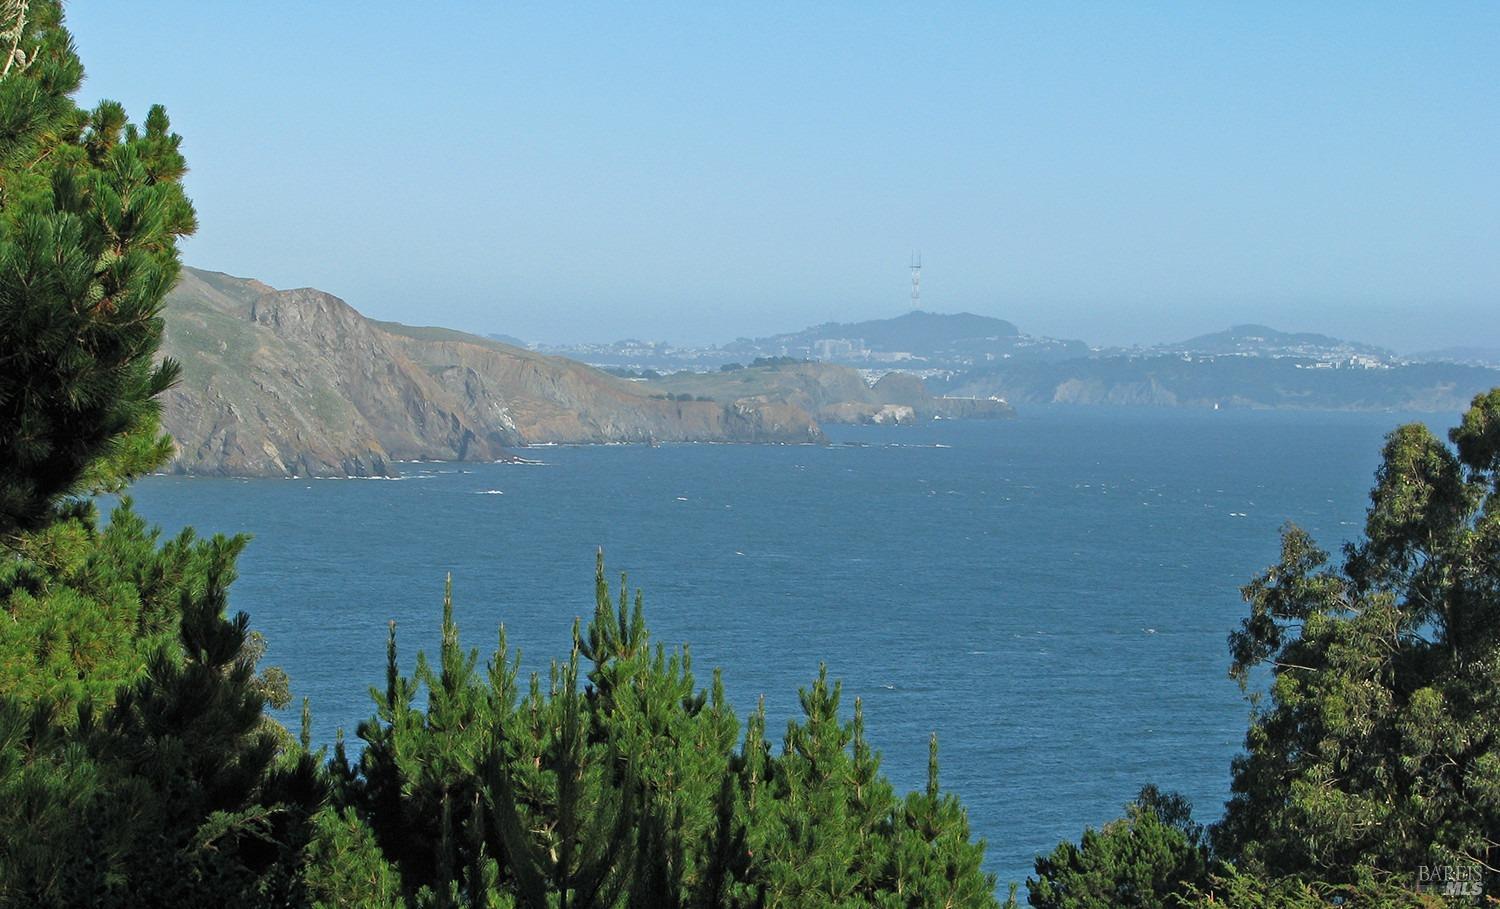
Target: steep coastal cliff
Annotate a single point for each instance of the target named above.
(297, 382)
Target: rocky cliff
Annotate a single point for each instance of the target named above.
(297, 382)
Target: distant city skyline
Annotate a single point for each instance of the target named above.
(1126, 174)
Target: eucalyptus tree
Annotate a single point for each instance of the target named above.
(1374, 751)
(1371, 752)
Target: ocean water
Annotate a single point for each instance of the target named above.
(1050, 595)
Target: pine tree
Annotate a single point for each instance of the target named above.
(137, 765)
(676, 738)
(177, 792)
(807, 850)
(617, 782)
(91, 207)
(418, 778)
(1145, 860)
(935, 862)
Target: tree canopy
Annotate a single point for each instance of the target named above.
(139, 763)
(91, 207)
(614, 780)
(1375, 752)
(1371, 754)
(136, 760)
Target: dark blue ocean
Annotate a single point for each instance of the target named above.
(1051, 594)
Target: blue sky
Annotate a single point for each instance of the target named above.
(1119, 172)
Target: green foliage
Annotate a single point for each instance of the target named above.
(344, 865)
(88, 606)
(617, 781)
(177, 793)
(1232, 890)
(1374, 752)
(137, 766)
(1377, 749)
(933, 861)
(91, 207)
(1140, 861)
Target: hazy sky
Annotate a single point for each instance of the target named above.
(1119, 172)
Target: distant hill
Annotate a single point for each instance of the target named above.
(1261, 341)
(1171, 380)
(916, 330)
(297, 382)
(937, 337)
(989, 361)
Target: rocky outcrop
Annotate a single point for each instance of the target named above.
(991, 408)
(297, 382)
(868, 413)
(899, 388)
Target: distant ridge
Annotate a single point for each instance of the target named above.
(1262, 340)
(929, 337)
(298, 383)
(916, 330)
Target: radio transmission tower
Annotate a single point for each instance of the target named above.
(916, 280)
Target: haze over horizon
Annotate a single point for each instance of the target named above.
(1116, 174)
